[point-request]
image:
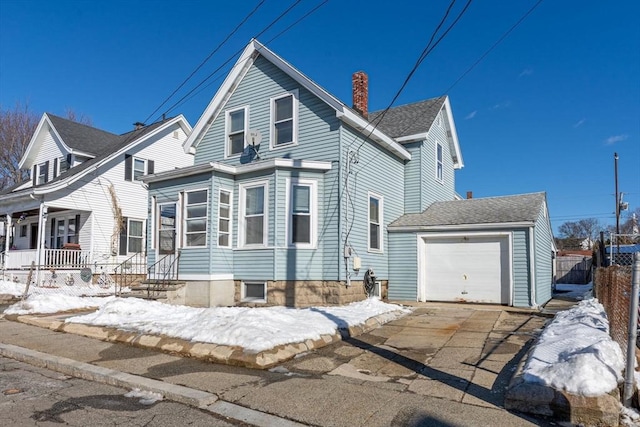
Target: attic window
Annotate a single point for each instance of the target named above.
(284, 120)
(42, 173)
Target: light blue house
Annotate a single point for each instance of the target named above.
(292, 193)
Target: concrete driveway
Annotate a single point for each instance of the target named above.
(442, 365)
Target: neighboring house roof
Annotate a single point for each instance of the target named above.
(81, 137)
(114, 145)
(409, 119)
(239, 70)
(518, 209)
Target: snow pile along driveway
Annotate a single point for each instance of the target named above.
(576, 354)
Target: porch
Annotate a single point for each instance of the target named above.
(52, 259)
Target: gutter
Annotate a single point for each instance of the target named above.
(480, 226)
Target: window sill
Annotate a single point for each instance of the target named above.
(375, 251)
(283, 146)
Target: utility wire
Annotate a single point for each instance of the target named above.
(282, 15)
(207, 58)
(266, 43)
(504, 36)
(428, 49)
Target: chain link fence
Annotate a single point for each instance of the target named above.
(98, 280)
(612, 287)
(621, 248)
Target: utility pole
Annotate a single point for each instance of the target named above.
(615, 166)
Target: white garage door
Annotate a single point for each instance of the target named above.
(467, 268)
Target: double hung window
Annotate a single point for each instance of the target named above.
(375, 223)
(284, 120)
(253, 231)
(236, 128)
(196, 210)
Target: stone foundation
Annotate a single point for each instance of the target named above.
(309, 293)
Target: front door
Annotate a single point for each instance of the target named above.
(33, 238)
(166, 265)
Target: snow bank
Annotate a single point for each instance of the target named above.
(575, 353)
(54, 303)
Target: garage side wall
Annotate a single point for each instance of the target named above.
(521, 268)
(403, 267)
(543, 259)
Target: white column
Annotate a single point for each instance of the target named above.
(42, 221)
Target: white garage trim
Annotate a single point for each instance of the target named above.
(424, 238)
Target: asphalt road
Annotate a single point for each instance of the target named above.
(31, 396)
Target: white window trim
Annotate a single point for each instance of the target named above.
(185, 219)
(227, 129)
(230, 232)
(243, 296)
(313, 184)
(241, 210)
(272, 116)
(380, 223)
(439, 179)
(142, 237)
(41, 171)
(133, 167)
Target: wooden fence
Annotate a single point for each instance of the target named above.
(573, 269)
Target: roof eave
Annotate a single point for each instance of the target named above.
(481, 226)
(73, 178)
(378, 136)
(459, 162)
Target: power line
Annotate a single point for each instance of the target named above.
(207, 58)
(282, 15)
(427, 50)
(233, 56)
(504, 36)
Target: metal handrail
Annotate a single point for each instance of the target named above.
(126, 272)
(168, 267)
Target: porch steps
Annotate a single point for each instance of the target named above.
(153, 290)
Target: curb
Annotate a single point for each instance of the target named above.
(539, 399)
(206, 401)
(229, 355)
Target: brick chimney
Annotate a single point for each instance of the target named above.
(469, 194)
(360, 83)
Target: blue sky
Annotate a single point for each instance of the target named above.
(543, 111)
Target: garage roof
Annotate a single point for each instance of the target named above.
(491, 210)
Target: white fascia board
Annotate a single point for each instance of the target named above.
(492, 226)
(454, 134)
(362, 125)
(303, 80)
(73, 178)
(34, 138)
(239, 70)
(238, 170)
(412, 138)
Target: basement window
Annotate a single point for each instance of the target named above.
(254, 292)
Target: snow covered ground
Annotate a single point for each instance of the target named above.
(574, 352)
(255, 329)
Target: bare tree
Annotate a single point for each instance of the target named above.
(585, 230)
(71, 114)
(16, 128)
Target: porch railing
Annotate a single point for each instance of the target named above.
(51, 258)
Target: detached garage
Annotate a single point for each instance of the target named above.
(493, 250)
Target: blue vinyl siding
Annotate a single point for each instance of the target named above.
(403, 267)
(254, 264)
(318, 125)
(296, 263)
(543, 261)
(221, 258)
(432, 189)
(412, 179)
(192, 260)
(377, 172)
(521, 268)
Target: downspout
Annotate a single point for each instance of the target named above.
(532, 264)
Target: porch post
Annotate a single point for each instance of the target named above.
(42, 221)
(7, 235)
(7, 241)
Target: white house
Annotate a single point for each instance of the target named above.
(84, 204)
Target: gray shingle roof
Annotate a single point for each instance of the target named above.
(119, 142)
(409, 119)
(83, 137)
(490, 210)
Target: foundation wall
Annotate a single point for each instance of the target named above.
(309, 293)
